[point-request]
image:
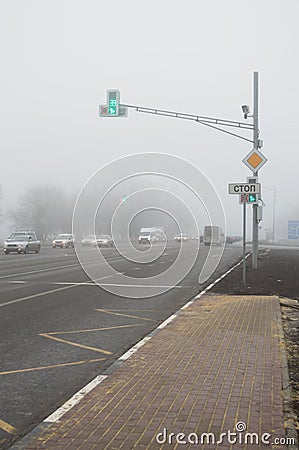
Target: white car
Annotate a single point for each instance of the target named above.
(182, 237)
(63, 241)
(21, 244)
(105, 240)
(89, 241)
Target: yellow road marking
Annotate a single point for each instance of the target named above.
(140, 310)
(94, 349)
(107, 311)
(30, 369)
(95, 329)
(8, 428)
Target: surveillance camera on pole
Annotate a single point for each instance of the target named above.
(246, 111)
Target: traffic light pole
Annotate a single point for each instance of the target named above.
(244, 243)
(255, 229)
(114, 108)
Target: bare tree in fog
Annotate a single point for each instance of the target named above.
(44, 208)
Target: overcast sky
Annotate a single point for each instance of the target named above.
(58, 58)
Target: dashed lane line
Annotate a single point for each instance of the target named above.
(40, 294)
(144, 286)
(54, 366)
(77, 264)
(7, 427)
(38, 271)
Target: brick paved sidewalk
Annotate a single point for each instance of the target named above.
(218, 364)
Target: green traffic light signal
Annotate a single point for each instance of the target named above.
(113, 102)
(252, 198)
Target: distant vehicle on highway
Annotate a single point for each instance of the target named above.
(232, 239)
(151, 235)
(182, 237)
(105, 240)
(63, 241)
(89, 241)
(21, 244)
(213, 235)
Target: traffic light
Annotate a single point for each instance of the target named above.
(113, 102)
(113, 108)
(249, 198)
(252, 198)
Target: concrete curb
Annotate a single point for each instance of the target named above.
(27, 440)
(288, 411)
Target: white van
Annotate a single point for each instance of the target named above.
(213, 235)
(150, 235)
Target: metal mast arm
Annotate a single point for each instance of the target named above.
(204, 120)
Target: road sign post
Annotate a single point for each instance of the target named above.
(249, 193)
(244, 244)
(244, 188)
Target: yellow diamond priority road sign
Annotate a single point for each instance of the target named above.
(255, 160)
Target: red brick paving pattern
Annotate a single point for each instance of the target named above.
(217, 363)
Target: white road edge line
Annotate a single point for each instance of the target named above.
(75, 399)
(56, 415)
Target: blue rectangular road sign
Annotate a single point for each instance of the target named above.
(293, 229)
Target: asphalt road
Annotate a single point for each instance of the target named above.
(58, 330)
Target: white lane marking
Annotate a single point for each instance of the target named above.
(38, 271)
(40, 294)
(167, 321)
(186, 305)
(134, 349)
(137, 268)
(17, 282)
(58, 267)
(70, 403)
(83, 283)
(143, 286)
(75, 399)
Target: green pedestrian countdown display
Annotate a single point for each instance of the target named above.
(113, 107)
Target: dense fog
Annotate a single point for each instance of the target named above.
(59, 58)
